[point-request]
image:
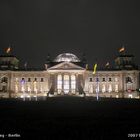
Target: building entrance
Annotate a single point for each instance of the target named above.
(66, 84)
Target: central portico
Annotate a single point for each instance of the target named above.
(66, 75)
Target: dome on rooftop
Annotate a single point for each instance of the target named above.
(66, 57)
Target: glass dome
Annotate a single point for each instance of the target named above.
(66, 57)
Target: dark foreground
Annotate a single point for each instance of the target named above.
(71, 118)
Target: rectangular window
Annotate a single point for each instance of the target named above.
(22, 80)
(29, 79)
(42, 79)
(97, 79)
(110, 79)
(103, 79)
(90, 80)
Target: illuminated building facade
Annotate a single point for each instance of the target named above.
(67, 75)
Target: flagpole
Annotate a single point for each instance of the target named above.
(97, 96)
(97, 79)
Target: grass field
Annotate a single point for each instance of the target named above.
(71, 118)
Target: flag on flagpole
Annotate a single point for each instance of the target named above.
(25, 65)
(8, 50)
(107, 64)
(86, 66)
(95, 68)
(122, 49)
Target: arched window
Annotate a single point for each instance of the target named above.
(97, 79)
(116, 79)
(29, 79)
(90, 88)
(35, 79)
(42, 80)
(116, 88)
(16, 88)
(66, 84)
(59, 83)
(110, 88)
(90, 79)
(129, 84)
(22, 81)
(73, 83)
(4, 85)
(103, 88)
(4, 80)
(128, 80)
(97, 88)
(35, 86)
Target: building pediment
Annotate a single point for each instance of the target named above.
(66, 66)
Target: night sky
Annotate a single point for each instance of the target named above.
(97, 28)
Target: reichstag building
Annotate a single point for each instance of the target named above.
(67, 75)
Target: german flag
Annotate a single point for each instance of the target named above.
(8, 50)
(122, 49)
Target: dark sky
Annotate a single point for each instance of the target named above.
(97, 27)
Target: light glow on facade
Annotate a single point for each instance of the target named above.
(68, 75)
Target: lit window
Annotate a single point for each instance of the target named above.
(22, 81)
(116, 88)
(59, 83)
(41, 89)
(97, 88)
(130, 96)
(16, 79)
(16, 88)
(29, 89)
(103, 88)
(90, 88)
(23, 85)
(22, 88)
(116, 79)
(110, 88)
(66, 83)
(35, 86)
(117, 96)
(73, 83)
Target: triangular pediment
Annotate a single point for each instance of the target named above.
(66, 66)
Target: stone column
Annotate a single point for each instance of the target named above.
(54, 85)
(70, 83)
(123, 84)
(77, 82)
(9, 84)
